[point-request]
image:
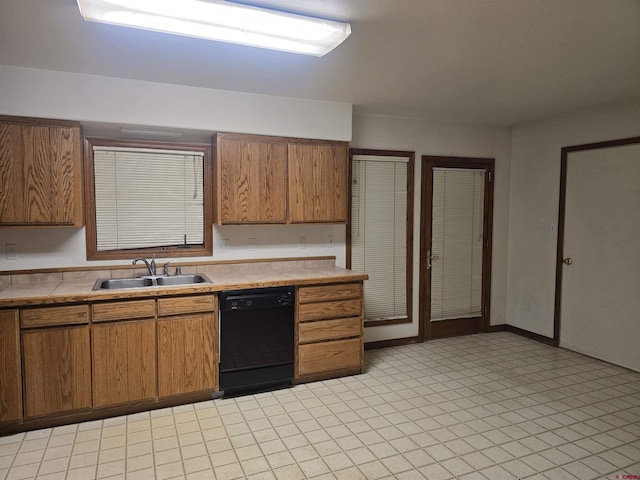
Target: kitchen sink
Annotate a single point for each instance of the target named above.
(151, 281)
(182, 280)
(123, 283)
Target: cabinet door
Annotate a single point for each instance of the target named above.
(10, 380)
(40, 175)
(317, 183)
(187, 354)
(11, 178)
(252, 180)
(66, 176)
(57, 370)
(124, 362)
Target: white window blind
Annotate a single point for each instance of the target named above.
(148, 197)
(379, 233)
(457, 243)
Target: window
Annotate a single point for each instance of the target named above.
(147, 198)
(380, 232)
(457, 243)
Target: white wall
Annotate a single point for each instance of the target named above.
(535, 186)
(104, 104)
(92, 98)
(428, 138)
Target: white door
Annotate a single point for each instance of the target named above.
(600, 296)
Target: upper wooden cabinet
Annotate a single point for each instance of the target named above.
(261, 179)
(40, 172)
(251, 179)
(317, 182)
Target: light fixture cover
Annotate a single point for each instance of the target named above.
(222, 21)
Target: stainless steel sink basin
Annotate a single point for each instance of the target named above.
(123, 283)
(182, 280)
(166, 281)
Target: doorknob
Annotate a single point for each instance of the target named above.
(567, 261)
(430, 259)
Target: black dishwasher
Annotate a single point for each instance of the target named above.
(256, 339)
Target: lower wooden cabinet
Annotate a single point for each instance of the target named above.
(57, 370)
(10, 374)
(187, 359)
(124, 362)
(329, 325)
(315, 358)
(65, 361)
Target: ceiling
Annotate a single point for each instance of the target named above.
(493, 62)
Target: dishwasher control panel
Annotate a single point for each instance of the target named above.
(276, 297)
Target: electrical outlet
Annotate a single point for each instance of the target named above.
(330, 242)
(11, 251)
(302, 241)
(224, 245)
(252, 243)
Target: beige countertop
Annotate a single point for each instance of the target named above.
(50, 291)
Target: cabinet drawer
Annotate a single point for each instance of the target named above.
(180, 305)
(329, 292)
(326, 310)
(103, 312)
(329, 356)
(329, 329)
(47, 316)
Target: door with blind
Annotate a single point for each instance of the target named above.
(455, 245)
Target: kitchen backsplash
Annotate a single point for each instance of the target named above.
(41, 248)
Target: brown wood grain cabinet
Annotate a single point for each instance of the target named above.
(123, 351)
(318, 187)
(187, 345)
(327, 357)
(251, 178)
(329, 328)
(124, 362)
(40, 172)
(10, 371)
(263, 179)
(57, 370)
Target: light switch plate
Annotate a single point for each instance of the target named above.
(11, 251)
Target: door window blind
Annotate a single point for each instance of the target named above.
(379, 233)
(457, 243)
(148, 198)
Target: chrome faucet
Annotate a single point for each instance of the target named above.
(151, 266)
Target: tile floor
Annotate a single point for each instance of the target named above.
(494, 406)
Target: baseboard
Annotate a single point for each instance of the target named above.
(497, 328)
(527, 334)
(394, 342)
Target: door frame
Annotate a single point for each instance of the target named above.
(426, 178)
(564, 154)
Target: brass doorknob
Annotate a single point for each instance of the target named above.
(567, 261)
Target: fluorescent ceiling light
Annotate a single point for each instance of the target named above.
(222, 21)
